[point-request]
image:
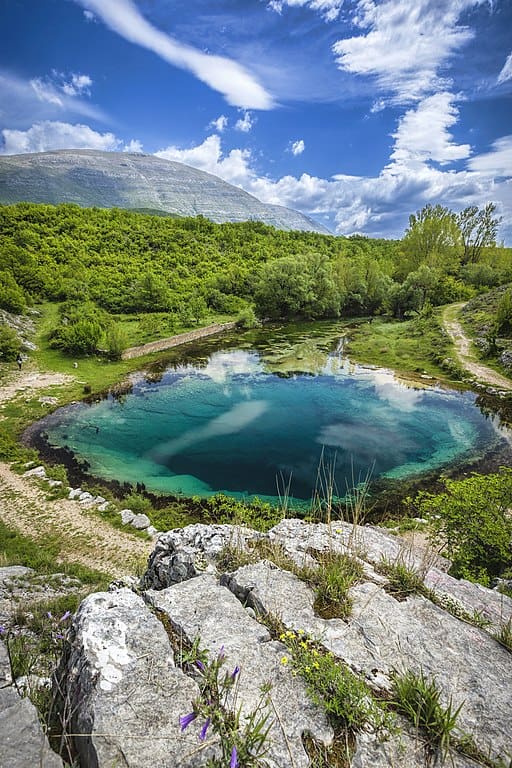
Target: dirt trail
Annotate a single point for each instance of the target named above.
(466, 357)
(29, 381)
(83, 537)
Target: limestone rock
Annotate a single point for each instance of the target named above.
(185, 552)
(22, 741)
(124, 691)
(247, 644)
(36, 472)
(140, 522)
(126, 516)
(384, 634)
(74, 493)
(20, 586)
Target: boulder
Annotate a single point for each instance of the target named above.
(36, 472)
(126, 516)
(140, 522)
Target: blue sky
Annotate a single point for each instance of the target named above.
(356, 112)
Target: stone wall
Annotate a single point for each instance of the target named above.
(176, 341)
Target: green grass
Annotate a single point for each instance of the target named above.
(419, 699)
(332, 579)
(16, 549)
(334, 687)
(396, 345)
(402, 581)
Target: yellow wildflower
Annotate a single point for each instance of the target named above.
(284, 660)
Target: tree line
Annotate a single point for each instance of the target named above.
(99, 263)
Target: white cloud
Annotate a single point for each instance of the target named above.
(378, 205)
(497, 162)
(245, 123)
(298, 147)
(208, 156)
(46, 91)
(405, 44)
(239, 87)
(330, 9)
(377, 106)
(506, 72)
(23, 102)
(48, 135)
(52, 89)
(78, 85)
(134, 146)
(422, 134)
(220, 124)
(89, 15)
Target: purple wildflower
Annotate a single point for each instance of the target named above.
(204, 729)
(49, 614)
(233, 763)
(2, 630)
(59, 636)
(65, 616)
(235, 672)
(200, 665)
(221, 654)
(185, 720)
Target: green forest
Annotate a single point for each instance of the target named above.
(99, 265)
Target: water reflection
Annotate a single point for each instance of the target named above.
(242, 416)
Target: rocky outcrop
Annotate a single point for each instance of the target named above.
(121, 693)
(124, 180)
(22, 740)
(126, 684)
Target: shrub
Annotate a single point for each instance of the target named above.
(9, 343)
(471, 520)
(117, 341)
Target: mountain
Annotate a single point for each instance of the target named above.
(136, 181)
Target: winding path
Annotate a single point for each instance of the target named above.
(83, 537)
(466, 357)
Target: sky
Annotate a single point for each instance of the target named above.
(355, 112)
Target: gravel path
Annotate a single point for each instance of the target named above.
(82, 535)
(463, 349)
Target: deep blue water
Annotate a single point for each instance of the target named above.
(233, 425)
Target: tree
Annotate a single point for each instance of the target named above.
(433, 234)
(12, 297)
(478, 229)
(151, 293)
(298, 286)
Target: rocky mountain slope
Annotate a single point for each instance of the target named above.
(117, 179)
(168, 670)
